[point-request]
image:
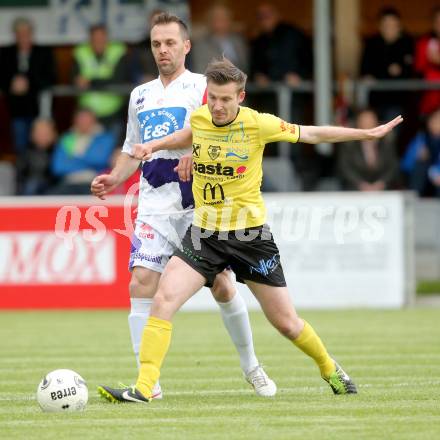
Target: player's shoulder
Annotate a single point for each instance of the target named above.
(202, 111)
(260, 117)
(200, 114)
(250, 114)
(193, 81)
(197, 78)
(144, 88)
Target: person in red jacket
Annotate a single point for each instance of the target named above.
(427, 63)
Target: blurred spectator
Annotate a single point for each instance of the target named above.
(97, 65)
(81, 154)
(26, 70)
(7, 178)
(281, 52)
(388, 55)
(421, 161)
(434, 175)
(143, 67)
(312, 165)
(368, 165)
(219, 40)
(427, 63)
(33, 168)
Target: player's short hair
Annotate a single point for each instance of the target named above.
(167, 18)
(222, 71)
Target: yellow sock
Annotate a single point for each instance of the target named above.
(310, 343)
(154, 346)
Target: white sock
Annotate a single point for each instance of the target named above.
(137, 319)
(236, 320)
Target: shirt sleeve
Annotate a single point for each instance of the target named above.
(133, 134)
(274, 129)
(199, 97)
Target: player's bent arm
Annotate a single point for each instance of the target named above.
(104, 184)
(125, 167)
(311, 134)
(175, 141)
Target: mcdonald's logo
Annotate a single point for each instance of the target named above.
(212, 191)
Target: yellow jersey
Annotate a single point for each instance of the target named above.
(227, 167)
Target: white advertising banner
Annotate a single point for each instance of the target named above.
(41, 258)
(67, 21)
(340, 250)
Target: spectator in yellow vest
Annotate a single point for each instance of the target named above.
(98, 64)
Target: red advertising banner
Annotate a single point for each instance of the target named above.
(64, 252)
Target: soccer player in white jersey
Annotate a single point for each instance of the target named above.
(156, 109)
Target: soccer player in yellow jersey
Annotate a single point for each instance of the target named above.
(229, 224)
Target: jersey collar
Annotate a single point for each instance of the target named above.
(175, 80)
(228, 123)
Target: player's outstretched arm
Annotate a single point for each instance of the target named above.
(104, 184)
(175, 141)
(311, 134)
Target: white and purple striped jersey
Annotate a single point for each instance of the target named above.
(154, 112)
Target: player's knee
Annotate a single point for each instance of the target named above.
(164, 305)
(223, 290)
(134, 287)
(142, 285)
(164, 298)
(289, 327)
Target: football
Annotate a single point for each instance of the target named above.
(62, 390)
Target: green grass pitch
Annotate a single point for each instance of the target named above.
(394, 357)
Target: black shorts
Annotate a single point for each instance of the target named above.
(251, 253)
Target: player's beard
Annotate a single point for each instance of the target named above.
(167, 69)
